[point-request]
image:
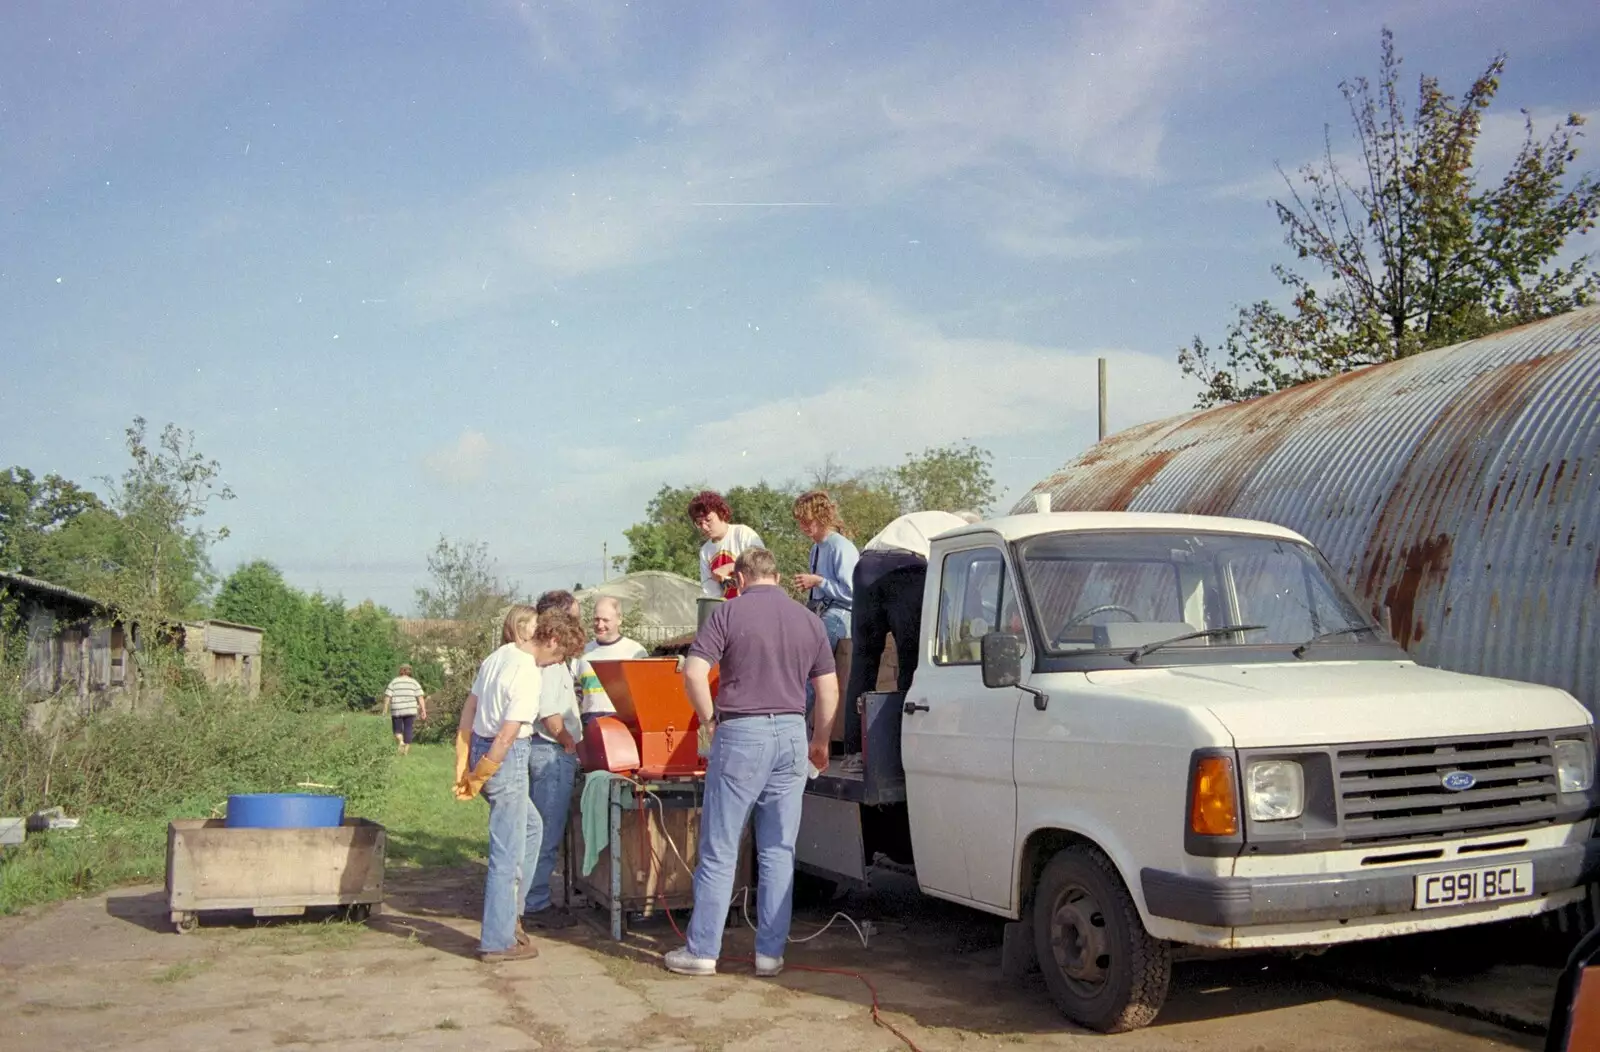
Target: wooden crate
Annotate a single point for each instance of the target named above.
(272, 872)
(653, 876)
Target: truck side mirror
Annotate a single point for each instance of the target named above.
(1002, 659)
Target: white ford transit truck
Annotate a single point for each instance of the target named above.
(1130, 733)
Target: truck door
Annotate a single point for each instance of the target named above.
(957, 735)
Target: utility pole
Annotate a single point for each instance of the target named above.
(1102, 363)
(605, 562)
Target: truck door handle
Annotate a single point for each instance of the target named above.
(914, 706)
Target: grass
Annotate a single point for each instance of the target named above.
(295, 937)
(125, 777)
(123, 839)
(181, 971)
(427, 825)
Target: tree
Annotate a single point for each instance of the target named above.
(666, 539)
(465, 585)
(945, 478)
(160, 567)
(951, 477)
(33, 511)
(316, 652)
(1413, 254)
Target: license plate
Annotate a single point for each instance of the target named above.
(1478, 884)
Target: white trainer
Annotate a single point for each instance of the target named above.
(680, 962)
(767, 967)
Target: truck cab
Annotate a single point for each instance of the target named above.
(1129, 732)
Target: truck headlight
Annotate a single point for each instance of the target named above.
(1574, 765)
(1275, 790)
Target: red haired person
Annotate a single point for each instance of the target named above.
(724, 542)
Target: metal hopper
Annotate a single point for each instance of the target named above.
(651, 702)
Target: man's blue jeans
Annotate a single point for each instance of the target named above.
(551, 774)
(514, 833)
(758, 764)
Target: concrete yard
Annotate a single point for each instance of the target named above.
(108, 972)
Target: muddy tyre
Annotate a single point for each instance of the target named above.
(1103, 969)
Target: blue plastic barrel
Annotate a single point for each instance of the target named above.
(284, 811)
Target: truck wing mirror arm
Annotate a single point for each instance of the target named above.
(1001, 655)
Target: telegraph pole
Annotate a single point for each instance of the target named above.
(1102, 363)
(605, 562)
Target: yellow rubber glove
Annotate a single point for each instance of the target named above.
(463, 752)
(471, 784)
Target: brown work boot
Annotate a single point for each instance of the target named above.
(518, 951)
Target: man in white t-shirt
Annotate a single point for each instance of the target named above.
(508, 700)
(608, 644)
(725, 542)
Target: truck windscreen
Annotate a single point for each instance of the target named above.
(1124, 590)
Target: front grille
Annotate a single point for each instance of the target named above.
(1394, 791)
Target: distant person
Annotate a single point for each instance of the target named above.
(887, 590)
(500, 715)
(553, 766)
(768, 647)
(608, 644)
(404, 702)
(724, 542)
(828, 582)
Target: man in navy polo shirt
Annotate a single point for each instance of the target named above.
(769, 647)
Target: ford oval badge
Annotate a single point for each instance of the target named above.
(1458, 781)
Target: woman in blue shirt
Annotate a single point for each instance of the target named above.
(832, 566)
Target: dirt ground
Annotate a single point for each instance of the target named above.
(108, 972)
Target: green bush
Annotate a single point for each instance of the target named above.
(125, 775)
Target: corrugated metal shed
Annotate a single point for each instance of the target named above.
(1458, 488)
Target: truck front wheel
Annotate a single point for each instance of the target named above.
(1103, 969)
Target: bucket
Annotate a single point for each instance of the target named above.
(706, 605)
(284, 811)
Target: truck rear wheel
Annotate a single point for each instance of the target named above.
(1101, 966)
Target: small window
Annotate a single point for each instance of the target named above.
(973, 601)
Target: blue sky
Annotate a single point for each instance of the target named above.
(499, 270)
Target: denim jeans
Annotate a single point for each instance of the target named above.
(887, 598)
(757, 763)
(551, 774)
(835, 622)
(514, 829)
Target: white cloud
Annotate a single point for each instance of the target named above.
(761, 119)
(918, 386)
(461, 463)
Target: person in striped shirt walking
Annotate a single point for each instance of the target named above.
(404, 702)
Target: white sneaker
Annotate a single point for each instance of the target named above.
(767, 967)
(680, 962)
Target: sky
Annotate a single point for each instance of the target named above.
(497, 271)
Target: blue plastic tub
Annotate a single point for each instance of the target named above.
(284, 811)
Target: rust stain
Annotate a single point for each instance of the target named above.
(1118, 485)
(1423, 565)
(1263, 425)
(1538, 486)
(1442, 462)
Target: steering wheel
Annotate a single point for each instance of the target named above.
(1108, 607)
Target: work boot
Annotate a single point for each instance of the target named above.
(517, 951)
(551, 918)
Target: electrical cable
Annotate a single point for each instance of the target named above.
(877, 1009)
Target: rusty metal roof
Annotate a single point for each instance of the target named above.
(1460, 488)
(23, 583)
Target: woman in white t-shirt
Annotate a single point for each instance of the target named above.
(497, 726)
(725, 541)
